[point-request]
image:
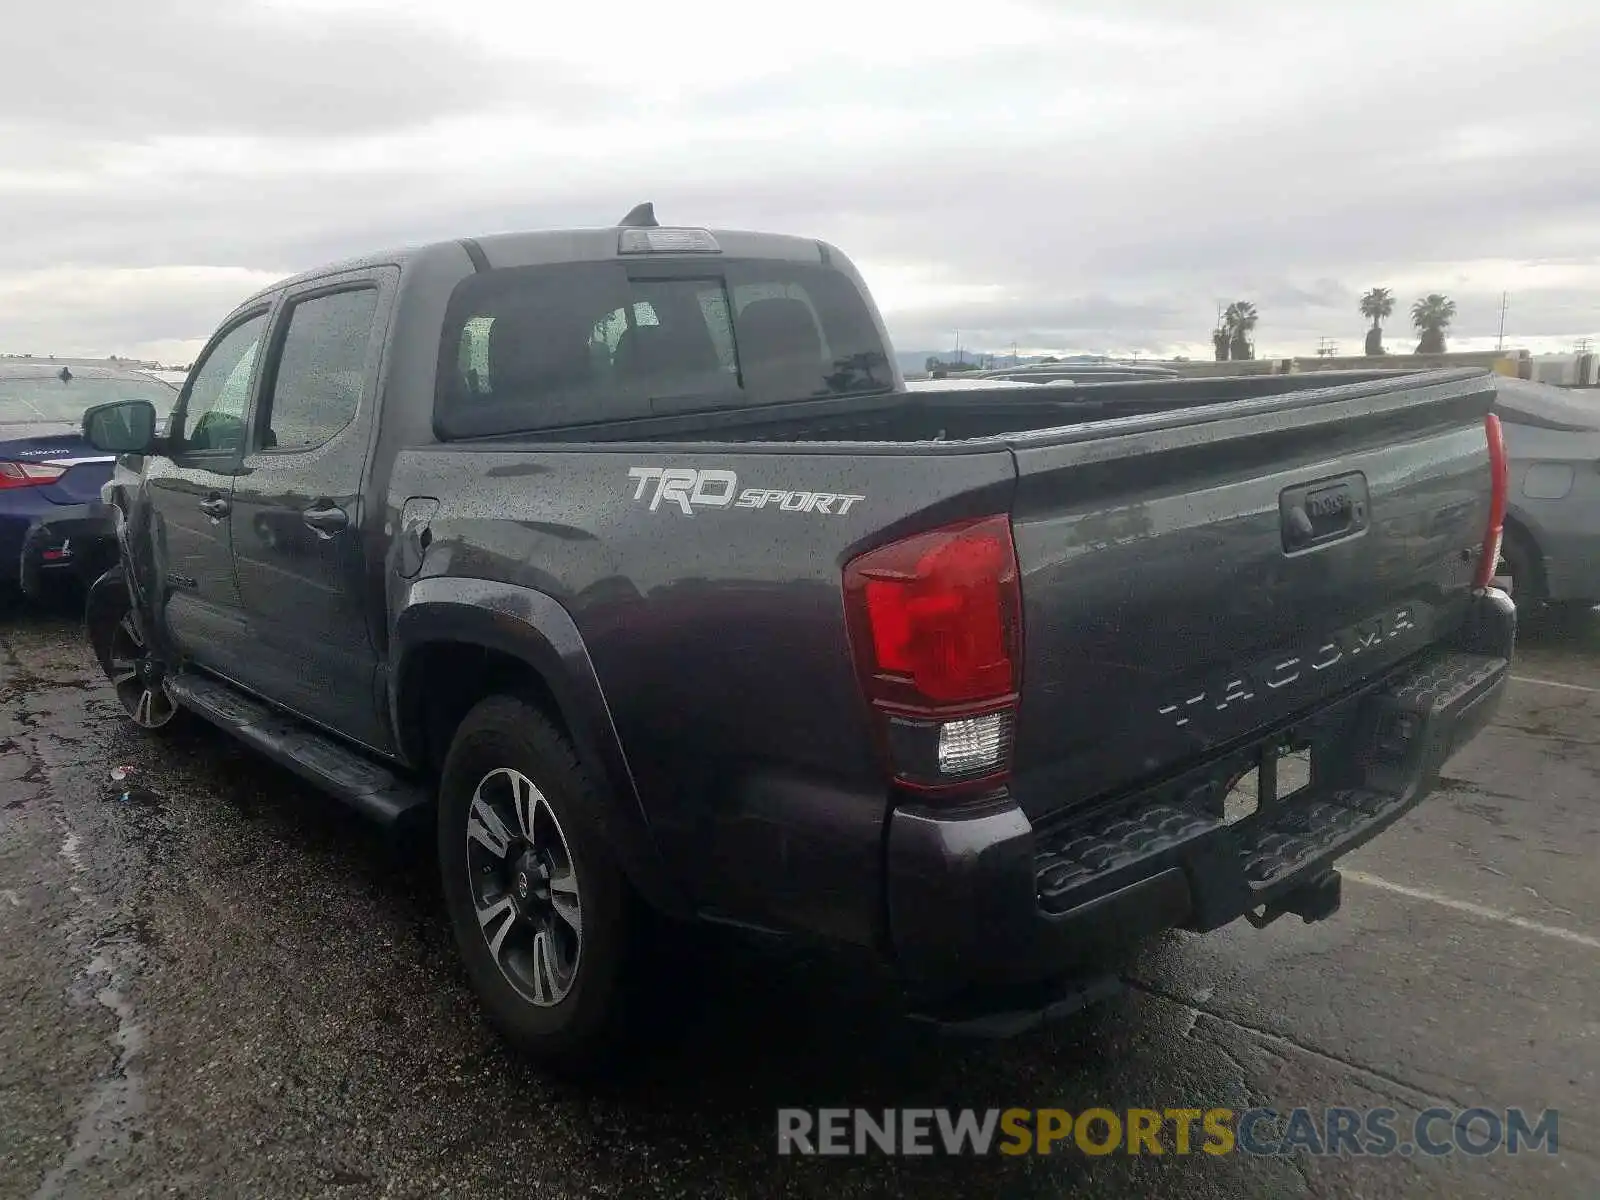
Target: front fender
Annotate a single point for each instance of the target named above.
(139, 562)
(535, 629)
(108, 598)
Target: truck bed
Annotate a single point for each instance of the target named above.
(1160, 604)
(1056, 411)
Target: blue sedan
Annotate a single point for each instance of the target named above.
(52, 521)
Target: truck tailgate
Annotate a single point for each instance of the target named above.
(1190, 579)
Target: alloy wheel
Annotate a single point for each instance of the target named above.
(138, 675)
(524, 887)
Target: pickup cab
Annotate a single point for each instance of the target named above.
(623, 560)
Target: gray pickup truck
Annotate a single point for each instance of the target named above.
(624, 558)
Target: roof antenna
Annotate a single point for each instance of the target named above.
(640, 216)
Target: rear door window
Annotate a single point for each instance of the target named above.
(570, 344)
(321, 369)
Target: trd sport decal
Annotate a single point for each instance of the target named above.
(688, 489)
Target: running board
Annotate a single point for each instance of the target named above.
(1006, 1013)
(373, 790)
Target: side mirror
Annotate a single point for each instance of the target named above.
(122, 427)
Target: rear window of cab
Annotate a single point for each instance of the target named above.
(529, 348)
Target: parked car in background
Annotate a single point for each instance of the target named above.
(1552, 537)
(51, 519)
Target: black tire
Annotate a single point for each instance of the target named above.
(575, 1021)
(1520, 559)
(1531, 590)
(135, 670)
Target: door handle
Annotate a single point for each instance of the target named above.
(215, 507)
(326, 520)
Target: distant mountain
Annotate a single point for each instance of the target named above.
(914, 362)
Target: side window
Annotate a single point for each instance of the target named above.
(219, 390)
(321, 369)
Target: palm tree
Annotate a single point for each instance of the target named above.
(1432, 316)
(1239, 319)
(1219, 342)
(1376, 306)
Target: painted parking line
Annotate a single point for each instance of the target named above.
(1475, 910)
(1571, 687)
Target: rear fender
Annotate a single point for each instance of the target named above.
(534, 629)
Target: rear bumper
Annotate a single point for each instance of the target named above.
(983, 898)
(65, 538)
(1572, 570)
(20, 510)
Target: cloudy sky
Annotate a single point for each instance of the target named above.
(1092, 175)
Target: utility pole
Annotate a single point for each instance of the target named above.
(958, 346)
(1500, 342)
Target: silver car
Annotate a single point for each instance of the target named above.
(1552, 538)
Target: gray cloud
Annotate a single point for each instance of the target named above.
(1085, 324)
(1107, 190)
(109, 71)
(80, 316)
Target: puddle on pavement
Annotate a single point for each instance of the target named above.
(105, 1128)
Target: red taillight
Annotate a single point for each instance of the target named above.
(27, 474)
(936, 630)
(1499, 482)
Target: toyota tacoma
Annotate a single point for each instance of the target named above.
(623, 560)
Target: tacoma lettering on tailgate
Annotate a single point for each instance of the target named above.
(1274, 674)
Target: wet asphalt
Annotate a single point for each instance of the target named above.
(215, 982)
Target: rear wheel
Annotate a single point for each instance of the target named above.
(1520, 560)
(543, 917)
(1531, 590)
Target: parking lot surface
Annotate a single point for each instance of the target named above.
(216, 982)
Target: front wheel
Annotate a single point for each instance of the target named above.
(136, 670)
(542, 914)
